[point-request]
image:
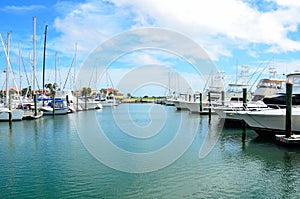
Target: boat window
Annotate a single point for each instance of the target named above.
(235, 89)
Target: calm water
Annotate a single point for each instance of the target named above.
(46, 159)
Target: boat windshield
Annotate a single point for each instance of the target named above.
(235, 89)
(295, 79)
(268, 83)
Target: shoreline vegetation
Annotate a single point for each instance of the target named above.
(140, 99)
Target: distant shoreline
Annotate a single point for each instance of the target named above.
(138, 100)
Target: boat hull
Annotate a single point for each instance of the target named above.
(17, 115)
(194, 107)
(58, 111)
(180, 105)
(29, 115)
(90, 105)
(270, 121)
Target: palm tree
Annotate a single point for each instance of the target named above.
(86, 91)
(52, 88)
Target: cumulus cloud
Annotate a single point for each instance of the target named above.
(219, 26)
(234, 19)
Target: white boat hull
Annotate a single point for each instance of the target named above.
(109, 104)
(194, 107)
(228, 112)
(17, 115)
(58, 111)
(169, 102)
(30, 115)
(90, 105)
(180, 105)
(271, 120)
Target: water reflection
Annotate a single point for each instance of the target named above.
(214, 130)
(46, 158)
(288, 178)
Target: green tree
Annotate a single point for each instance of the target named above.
(52, 88)
(26, 90)
(86, 91)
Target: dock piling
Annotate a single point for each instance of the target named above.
(223, 98)
(53, 104)
(288, 138)
(76, 100)
(244, 98)
(288, 115)
(85, 100)
(9, 107)
(209, 107)
(200, 101)
(35, 105)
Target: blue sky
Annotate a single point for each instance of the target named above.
(232, 32)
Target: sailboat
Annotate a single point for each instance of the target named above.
(54, 105)
(6, 112)
(30, 109)
(107, 97)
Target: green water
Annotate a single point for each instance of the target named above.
(45, 158)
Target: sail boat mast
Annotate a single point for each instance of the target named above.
(34, 55)
(7, 67)
(55, 73)
(75, 60)
(20, 66)
(44, 58)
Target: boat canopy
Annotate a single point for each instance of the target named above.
(50, 99)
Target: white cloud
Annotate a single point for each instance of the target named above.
(22, 8)
(87, 24)
(219, 26)
(237, 21)
(288, 3)
(146, 57)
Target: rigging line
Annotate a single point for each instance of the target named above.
(257, 68)
(207, 80)
(37, 82)
(89, 84)
(262, 72)
(10, 68)
(269, 61)
(25, 71)
(110, 80)
(73, 60)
